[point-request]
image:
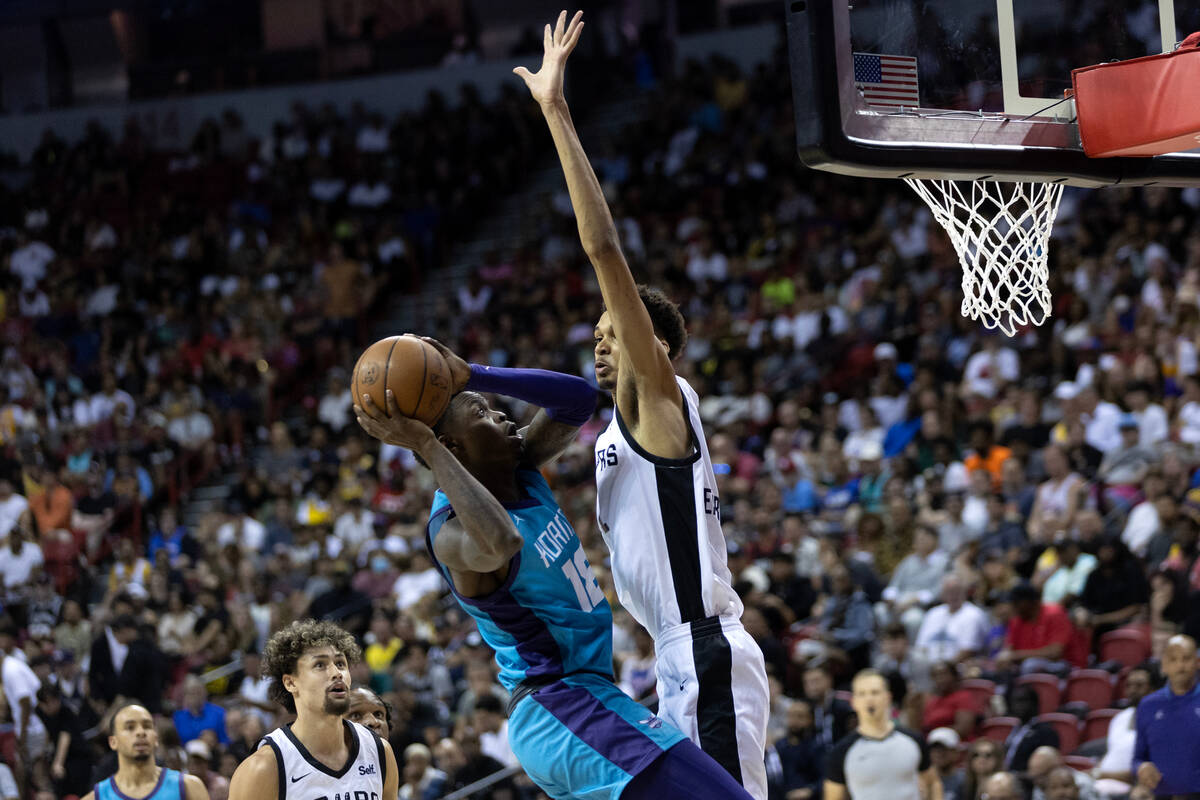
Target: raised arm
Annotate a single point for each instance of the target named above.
(645, 366)
(565, 402)
(482, 538)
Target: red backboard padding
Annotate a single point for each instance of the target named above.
(1141, 107)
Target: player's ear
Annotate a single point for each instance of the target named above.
(288, 681)
(665, 346)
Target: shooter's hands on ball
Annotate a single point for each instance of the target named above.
(460, 370)
(393, 427)
(546, 85)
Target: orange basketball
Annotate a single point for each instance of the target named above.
(415, 372)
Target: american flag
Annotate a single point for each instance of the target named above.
(889, 81)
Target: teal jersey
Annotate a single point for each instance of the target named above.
(550, 617)
(170, 787)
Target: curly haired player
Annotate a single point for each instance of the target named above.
(320, 755)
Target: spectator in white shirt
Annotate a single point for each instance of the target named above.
(369, 193)
(243, 530)
(19, 559)
(992, 366)
(12, 506)
(29, 261)
(191, 429)
(1114, 774)
(1101, 419)
(32, 302)
(355, 526)
(706, 263)
(1153, 427)
(111, 401)
(335, 405)
(422, 578)
(373, 137)
(953, 631)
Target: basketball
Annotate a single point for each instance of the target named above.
(415, 372)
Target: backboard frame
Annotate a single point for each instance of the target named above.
(836, 131)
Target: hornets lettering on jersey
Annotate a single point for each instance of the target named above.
(574, 732)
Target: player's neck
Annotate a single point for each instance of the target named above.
(875, 729)
(502, 483)
(322, 734)
(133, 774)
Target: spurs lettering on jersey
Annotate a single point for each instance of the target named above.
(661, 518)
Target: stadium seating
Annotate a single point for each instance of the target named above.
(1091, 686)
(1067, 728)
(998, 728)
(1081, 763)
(981, 691)
(1048, 691)
(1129, 646)
(1095, 726)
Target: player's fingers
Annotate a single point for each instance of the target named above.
(560, 25)
(391, 403)
(573, 35)
(548, 38)
(522, 73)
(370, 410)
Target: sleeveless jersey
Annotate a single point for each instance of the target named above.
(550, 617)
(302, 777)
(170, 787)
(661, 519)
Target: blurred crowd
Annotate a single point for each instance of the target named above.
(980, 518)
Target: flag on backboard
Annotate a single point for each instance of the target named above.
(888, 81)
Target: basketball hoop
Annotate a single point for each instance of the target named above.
(1001, 232)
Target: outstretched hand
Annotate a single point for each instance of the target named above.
(546, 85)
(392, 427)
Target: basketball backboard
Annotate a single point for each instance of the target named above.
(969, 89)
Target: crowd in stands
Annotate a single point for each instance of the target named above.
(979, 518)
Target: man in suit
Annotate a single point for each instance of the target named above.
(1029, 735)
(124, 665)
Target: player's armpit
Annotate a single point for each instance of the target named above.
(833, 791)
(256, 778)
(465, 551)
(194, 788)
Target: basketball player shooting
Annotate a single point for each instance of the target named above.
(131, 733)
(656, 494)
(515, 564)
(320, 755)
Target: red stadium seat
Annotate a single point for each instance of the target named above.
(1095, 726)
(998, 728)
(1091, 686)
(1081, 763)
(1129, 646)
(981, 691)
(1067, 728)
(1047, 688)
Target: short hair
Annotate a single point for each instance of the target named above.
(666, 318)
(287, 645)
(488, 702)
(112, 721)
(863, 674)
(417, 749)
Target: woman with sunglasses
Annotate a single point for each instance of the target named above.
(985, 758)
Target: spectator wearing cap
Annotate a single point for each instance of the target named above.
(199, 763)
(944, 752)
(1168, 726)
(1040, 636)
(1028, 735)
(198, 714)
(1114, 773)
(70, 756)
(420, 780)
(795, 763)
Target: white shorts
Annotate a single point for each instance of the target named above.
(712, 686)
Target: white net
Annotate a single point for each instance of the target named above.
(1001, 232)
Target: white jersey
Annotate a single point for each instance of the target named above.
(302, 777)
(661, 519)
